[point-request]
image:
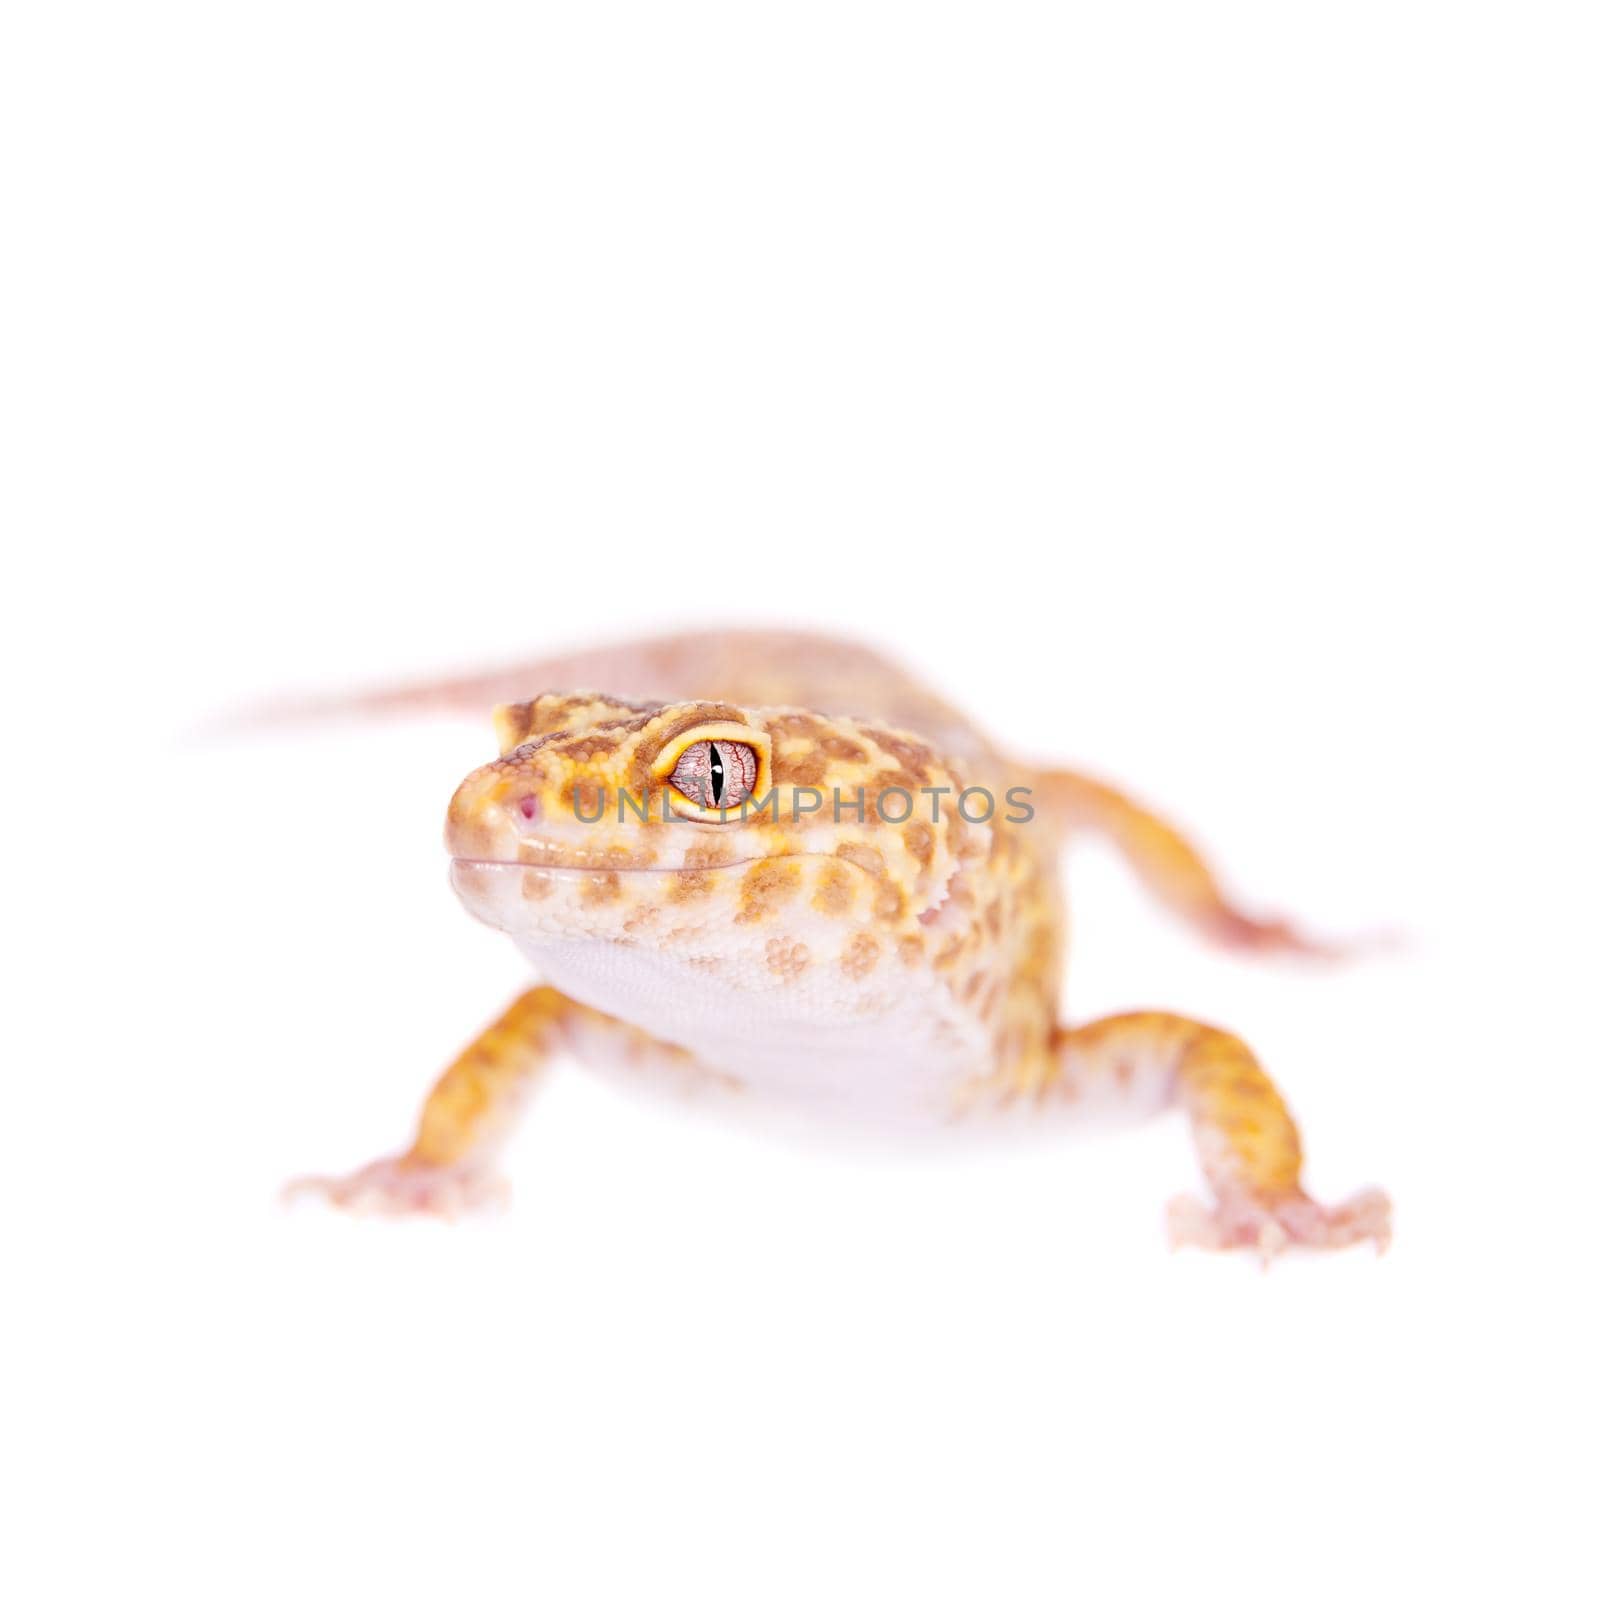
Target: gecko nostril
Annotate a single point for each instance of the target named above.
(528, 808)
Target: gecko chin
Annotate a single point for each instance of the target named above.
(777, 969)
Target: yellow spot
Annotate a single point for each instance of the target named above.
(600, 887)
(836, 889)
(765, 887)
(864, 856)
(889, 901)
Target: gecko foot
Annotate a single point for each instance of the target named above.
(1275, 936)
(399, 1186)
(1244, 1222)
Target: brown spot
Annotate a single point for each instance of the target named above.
(599, 887)
(621, 855)
(842, 749)
(642, 918)
(892, 798)
(713, 853)
(860, 956)
(911, 950)
(536, 885)
(968, 843)
(688, 885)
(836, 889)
(511, 725)
(911, 755)
(765, 887)
(546, 714)
(890, 900)
(918, 837)
(898, 778)
(865, 856)
(585, 799)
(805, 770)
(787, 958)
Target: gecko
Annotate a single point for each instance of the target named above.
(773, 867)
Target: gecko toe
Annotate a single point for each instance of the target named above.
(1272, 1227)
(399, 1186)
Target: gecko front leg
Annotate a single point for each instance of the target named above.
(450, 1166)
(1248, 1145)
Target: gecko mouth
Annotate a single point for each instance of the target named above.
(491, 864)
(495, 890)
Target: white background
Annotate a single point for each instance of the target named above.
(1202, 394)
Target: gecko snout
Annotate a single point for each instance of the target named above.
(490, 816)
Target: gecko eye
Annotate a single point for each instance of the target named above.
(715, 773)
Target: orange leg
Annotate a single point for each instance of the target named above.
(1170, 867)
(1247, 1142)
(450, 1167)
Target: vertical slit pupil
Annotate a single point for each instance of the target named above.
(716, 776)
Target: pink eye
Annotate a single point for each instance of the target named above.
(715, 773)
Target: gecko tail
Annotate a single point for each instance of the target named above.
(1175, 872)
(471, 695)
(762, 667)
(655, 669)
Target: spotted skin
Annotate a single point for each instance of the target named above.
(878, 933)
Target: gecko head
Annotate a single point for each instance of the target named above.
(753, 847)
